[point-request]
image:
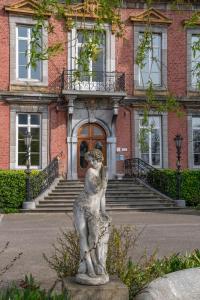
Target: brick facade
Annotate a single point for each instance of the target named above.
(123, 127)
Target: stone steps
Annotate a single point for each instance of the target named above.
(121, 195)
(122, 208)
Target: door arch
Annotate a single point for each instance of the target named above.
(90, 136)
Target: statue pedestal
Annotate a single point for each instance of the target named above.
(113, 290)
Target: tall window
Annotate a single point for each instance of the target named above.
(195, 59)
(96, 66)
(150, 140)
(152, 63)
(196, 141)
(30, 123)
(24, 69)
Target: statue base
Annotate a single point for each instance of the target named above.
(113, 290)
(85, 279)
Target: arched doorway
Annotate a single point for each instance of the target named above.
(90, 136)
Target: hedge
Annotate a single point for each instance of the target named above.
(12, 189)
(165, 181)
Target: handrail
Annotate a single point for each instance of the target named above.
(138, 168)
(93, 81)
(39, 183)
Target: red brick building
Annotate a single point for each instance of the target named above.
(103, 110)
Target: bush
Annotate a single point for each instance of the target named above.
(165, 181)
(12, 189)
(136, 276)
(140, 274)
(30, 290)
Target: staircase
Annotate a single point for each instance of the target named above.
(121, 195)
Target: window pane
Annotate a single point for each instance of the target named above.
(35, 72)
(155, 141)
(35, 146)
(98, 67)
(21, 146)
(145, 157)
(23, 72)
(155, 159)
(22, 159)
(22, 132)
(81, 38)
(197, 159)
(35, 159)
(196, 135)
(97, 131)
(23, 46)
(35, 120)
(83, 150)
(23, 119)
(22, 59)
(152, 69)
(22, 31)
(85, 131)
(35, 132)
(196, 122)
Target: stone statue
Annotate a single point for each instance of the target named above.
(92, 222)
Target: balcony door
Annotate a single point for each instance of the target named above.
(95, 77)
(90, 136)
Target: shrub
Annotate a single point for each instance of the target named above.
(30, 290)
(165, 181)
(66, 256)
(12, 189)
(136, 276)
(140, 274)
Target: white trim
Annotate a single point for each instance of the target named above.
(29, 126)
(109, 46)
(150, 139)
(26, 21)
(162, 30)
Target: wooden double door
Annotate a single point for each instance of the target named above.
(90, 136)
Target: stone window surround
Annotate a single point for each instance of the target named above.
(190, 33)
(25, 20)
(110, 45)
(43, 111)
(161, 29)
(190, 140)
(164, 134)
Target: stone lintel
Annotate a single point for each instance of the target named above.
(113, 290)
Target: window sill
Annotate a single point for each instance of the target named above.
(29, 83)
(19, 87)
(158, 91)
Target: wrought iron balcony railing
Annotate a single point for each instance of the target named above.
(110, 82)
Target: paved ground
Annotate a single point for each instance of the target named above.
(34, 234)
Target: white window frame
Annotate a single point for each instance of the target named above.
(109, 45)
(29, 67)
(150, 62)
(194, 61)
(162, 30)
(101, 46)
(15, 21)
(149, 139)
(29, 126)
(193, 128)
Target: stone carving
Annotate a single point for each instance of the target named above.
(92, 222)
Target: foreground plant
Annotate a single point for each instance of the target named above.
(136, 275)
(29, 289)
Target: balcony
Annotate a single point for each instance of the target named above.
(93, 83)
